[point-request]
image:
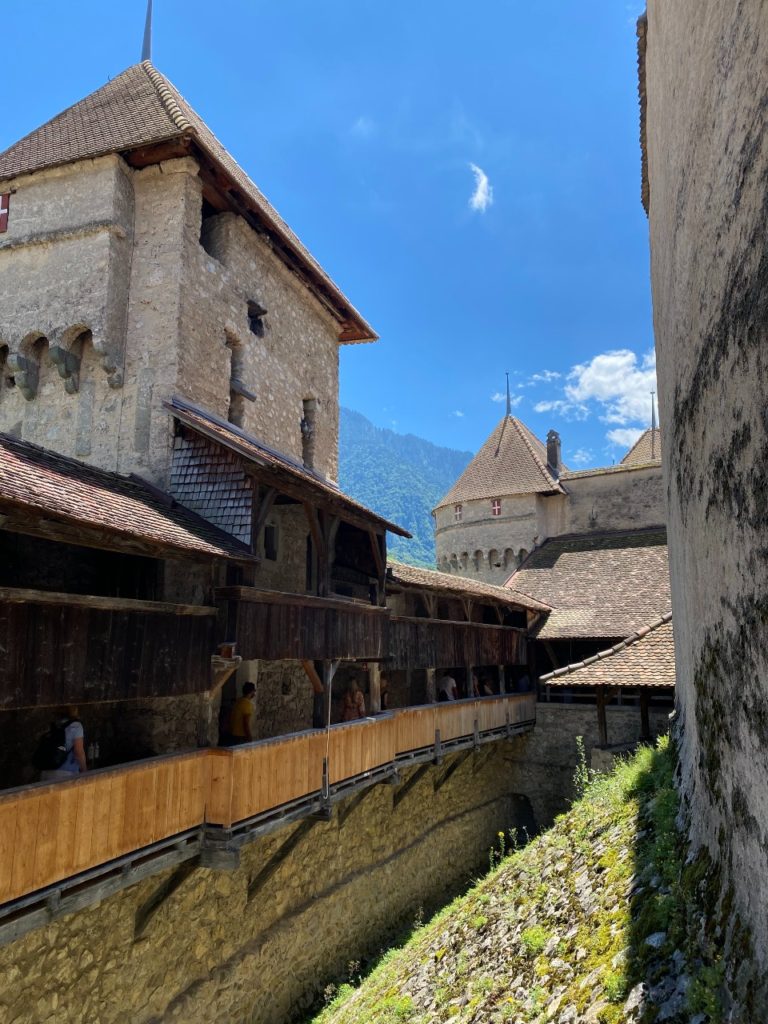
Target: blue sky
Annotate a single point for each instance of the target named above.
(469, 173)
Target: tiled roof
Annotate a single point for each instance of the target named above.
(646, 658)
(647, 448)
(140, 108)
(33, 479)
(599, 585)
(253, 450)
(413, 576)
(512, 461)
(576, 474)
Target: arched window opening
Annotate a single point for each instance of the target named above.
(271, 541)
(509, 558)
(493, 559)
(464, 559)
(477, 560)
(256, 314)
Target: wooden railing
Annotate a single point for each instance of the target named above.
(424, 643)
(72, 648)
(272, 625)
(50, 832)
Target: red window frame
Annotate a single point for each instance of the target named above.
(458, 513)
(496, 507)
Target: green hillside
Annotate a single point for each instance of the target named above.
(400, 476)
(600, 920)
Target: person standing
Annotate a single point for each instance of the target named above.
(240, 720)
(446, 688)
(354, 703)
(70, 729)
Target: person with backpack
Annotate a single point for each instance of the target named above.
(60, 753)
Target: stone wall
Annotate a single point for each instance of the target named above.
(545, 759)
(208, 953)
(625, 499)
(706, 86)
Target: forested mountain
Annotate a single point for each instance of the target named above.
(400, 476)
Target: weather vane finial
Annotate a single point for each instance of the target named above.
(509, 400)
(146, 50)
(653, 424)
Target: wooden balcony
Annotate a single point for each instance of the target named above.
(425, 643)
(71, 648)
(67, 831)
(273, 625)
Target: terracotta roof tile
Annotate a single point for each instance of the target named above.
(67, 491)
(599, 585)
(415, 576)
(251, 448)
(647, 448)
(140, 108)
(646, 658)
(512, 461)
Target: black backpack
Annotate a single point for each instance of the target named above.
(51, 752)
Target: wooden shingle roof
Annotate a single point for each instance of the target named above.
(600, 586)
(644, 659)
(141, 108)
(512, 461)
(123, 511)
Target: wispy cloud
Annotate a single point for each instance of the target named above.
(545, 377)
(363, 127)
(565, 408)
(499, 396)
(580, 457)
(457, 412)
(624, 437)
(482, 197)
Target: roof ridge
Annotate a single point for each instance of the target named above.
(523, 431)
(638, 634)
(167, 98)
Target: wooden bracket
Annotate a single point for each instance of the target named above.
(407, 786)
(314, 678)
(222, 669)
(441, 780)
(147, 910)
(277, 858)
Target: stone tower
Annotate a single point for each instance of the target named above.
(138, 262)
(506, 501)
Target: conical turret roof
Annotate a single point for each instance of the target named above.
(647, 448)
(512, 461)
(141, 108)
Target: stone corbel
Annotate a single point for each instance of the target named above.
(68, 365)
(110, 360)
(26, 374)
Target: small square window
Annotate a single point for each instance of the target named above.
(496, 507)
(458, 512)
(270, 542)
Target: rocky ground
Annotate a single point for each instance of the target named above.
(597, 920)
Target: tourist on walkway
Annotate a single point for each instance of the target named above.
(64, 748)
(240, 719)
(354, 703)
(446, 688)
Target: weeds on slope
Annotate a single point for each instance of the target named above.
(593, 921)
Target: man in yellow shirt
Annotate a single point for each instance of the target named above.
(240, 720)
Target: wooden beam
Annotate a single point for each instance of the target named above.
(223, 669)
(374, 678)
(283, 851)
(441, 779)
(645, 721)
(602, 722)
(260, 519)
(314, 678)
(21, 595)
(253, 595)
(431, 685)
(402, 791)
(147, 910)
(378, 558)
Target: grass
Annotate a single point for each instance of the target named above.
(565, 918)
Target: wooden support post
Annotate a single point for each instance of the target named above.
(374, 679)
(502, 680)
(431, 685)
(602, 723)
(409, 684)
(470, 685)
(645, 722)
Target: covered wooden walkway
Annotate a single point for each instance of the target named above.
(64, 845)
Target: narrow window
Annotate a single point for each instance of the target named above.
(496, 507)
(458, 512)
(308, 425)
(270, 542)
(256, 314)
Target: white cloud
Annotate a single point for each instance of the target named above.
(568, 410)
(482, 197)
(618, 383)
(624, 437)
(499, 396)
(545, 377)
(364, 127)
(581, 457)
(458, 412)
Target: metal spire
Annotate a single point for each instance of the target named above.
(509, 400)
(146, 51)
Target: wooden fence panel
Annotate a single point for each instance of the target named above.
(431, 643)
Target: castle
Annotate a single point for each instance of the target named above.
(516, 493)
